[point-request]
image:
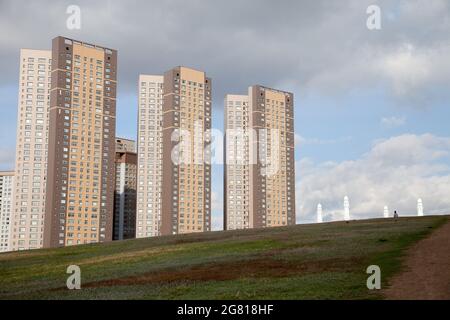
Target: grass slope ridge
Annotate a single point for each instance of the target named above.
(322, 261)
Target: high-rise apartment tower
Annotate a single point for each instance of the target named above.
(27, 220)
(186, 177)
(259, 187)
(174, 171)
(125, 192)
(149, 189)
(81, 168)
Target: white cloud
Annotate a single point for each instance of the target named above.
(319, 45)
(393, 122)
(407, 69)
(7, 158)
(395, 172)
(416, 73)
(300, 140)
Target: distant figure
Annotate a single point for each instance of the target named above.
(395, 215)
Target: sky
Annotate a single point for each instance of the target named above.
(371, 106)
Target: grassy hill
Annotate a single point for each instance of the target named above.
(326, 261)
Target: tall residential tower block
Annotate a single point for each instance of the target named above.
(125, 193)
(174, 177)
(27, 220)
(81, 168)
(149, 188)
(259, 151)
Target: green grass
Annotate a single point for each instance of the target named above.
(326, 261)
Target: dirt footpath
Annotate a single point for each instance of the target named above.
(426, 274)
